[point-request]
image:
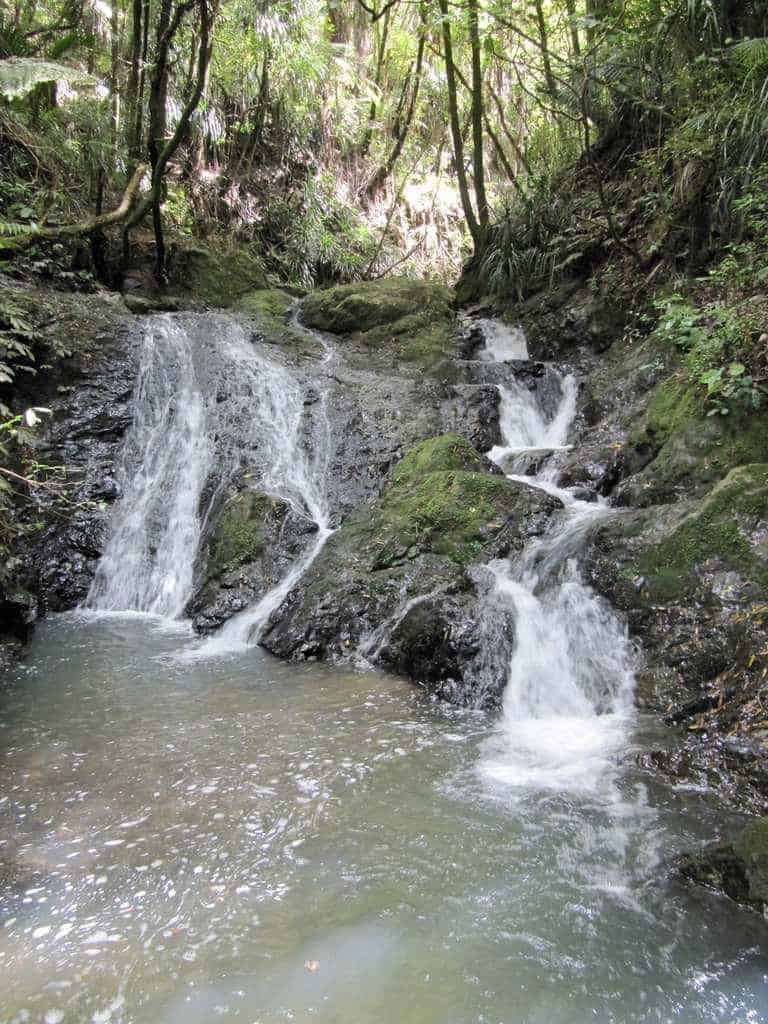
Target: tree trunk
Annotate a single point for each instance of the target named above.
(570, 6)
(477, 120)
(380, 56)
(154, 198)
(384, 171)
(132, 91)
(114, 80)
(458, 142)
(544, 47)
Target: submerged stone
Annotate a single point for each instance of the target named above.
(739, 868)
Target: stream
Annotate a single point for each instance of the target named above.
(191, 830)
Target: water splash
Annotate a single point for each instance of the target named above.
(568, 696)
(209, 406)
(502, 342)
(148, 561)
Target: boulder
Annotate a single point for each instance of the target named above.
(254, 541)
(396, 318)
(739, 868)
(396, 584)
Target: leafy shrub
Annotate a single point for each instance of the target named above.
(723, 350)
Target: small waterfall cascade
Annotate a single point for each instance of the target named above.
(148, 562)
(568, 697)
(209, 403)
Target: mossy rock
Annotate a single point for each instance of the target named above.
(408, 320)
(242, 532)
(721, 529)
(352, 308)
(683, 451)
(444, 499)
(271, 306)
(446, 507)
(216, 277)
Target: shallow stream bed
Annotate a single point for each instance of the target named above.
(241, 839)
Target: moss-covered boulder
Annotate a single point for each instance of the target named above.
(675, 450)
(398, 584)
(254, 540)
(401, 319)
(690, 578)
(272, 312)
(739, 869)
(214, 276)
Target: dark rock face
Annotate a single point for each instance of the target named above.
(88, 388)
(688, 576)
(255, 540)
(739, 869)
(395, 583)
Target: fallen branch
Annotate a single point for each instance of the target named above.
(84, 227)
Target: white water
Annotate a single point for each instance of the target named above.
(502, 342)
(208, 405)
(568, 699)
(149, 559)
(291, 473)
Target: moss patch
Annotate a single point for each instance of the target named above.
(409, 320)
(752, 847)
(673, 404)
(240, 535)
(216, 277)
(689, 450)
(270, 305)
(445, 500)
(718, 529)
(437, 454)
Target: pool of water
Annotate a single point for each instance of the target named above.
(241, 839)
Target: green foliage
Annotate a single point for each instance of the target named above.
(714, 339)
(317, 238)
(16, 340)
(532, 243)
(20, 75)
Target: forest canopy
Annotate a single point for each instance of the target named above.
(346, 138)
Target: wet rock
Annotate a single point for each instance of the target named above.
(739, 869)
(473, 411)
(394, 583)
(255, 540)
(691, 580)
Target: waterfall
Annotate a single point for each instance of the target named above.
(209, 404)
(568, 694)
(149, 558)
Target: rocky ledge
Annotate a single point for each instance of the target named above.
(400, 581)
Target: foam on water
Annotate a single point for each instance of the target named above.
(568, 697)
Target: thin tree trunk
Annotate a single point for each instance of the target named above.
(544, 47)
(458, 142)
(114, 83)
(477, 120)
(570, 6)
(380, 56)
(385, 170)
(153, 199)
(132, 91)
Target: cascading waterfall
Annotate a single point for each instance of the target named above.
(568, 697)
(148, 562)
(208, 404)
